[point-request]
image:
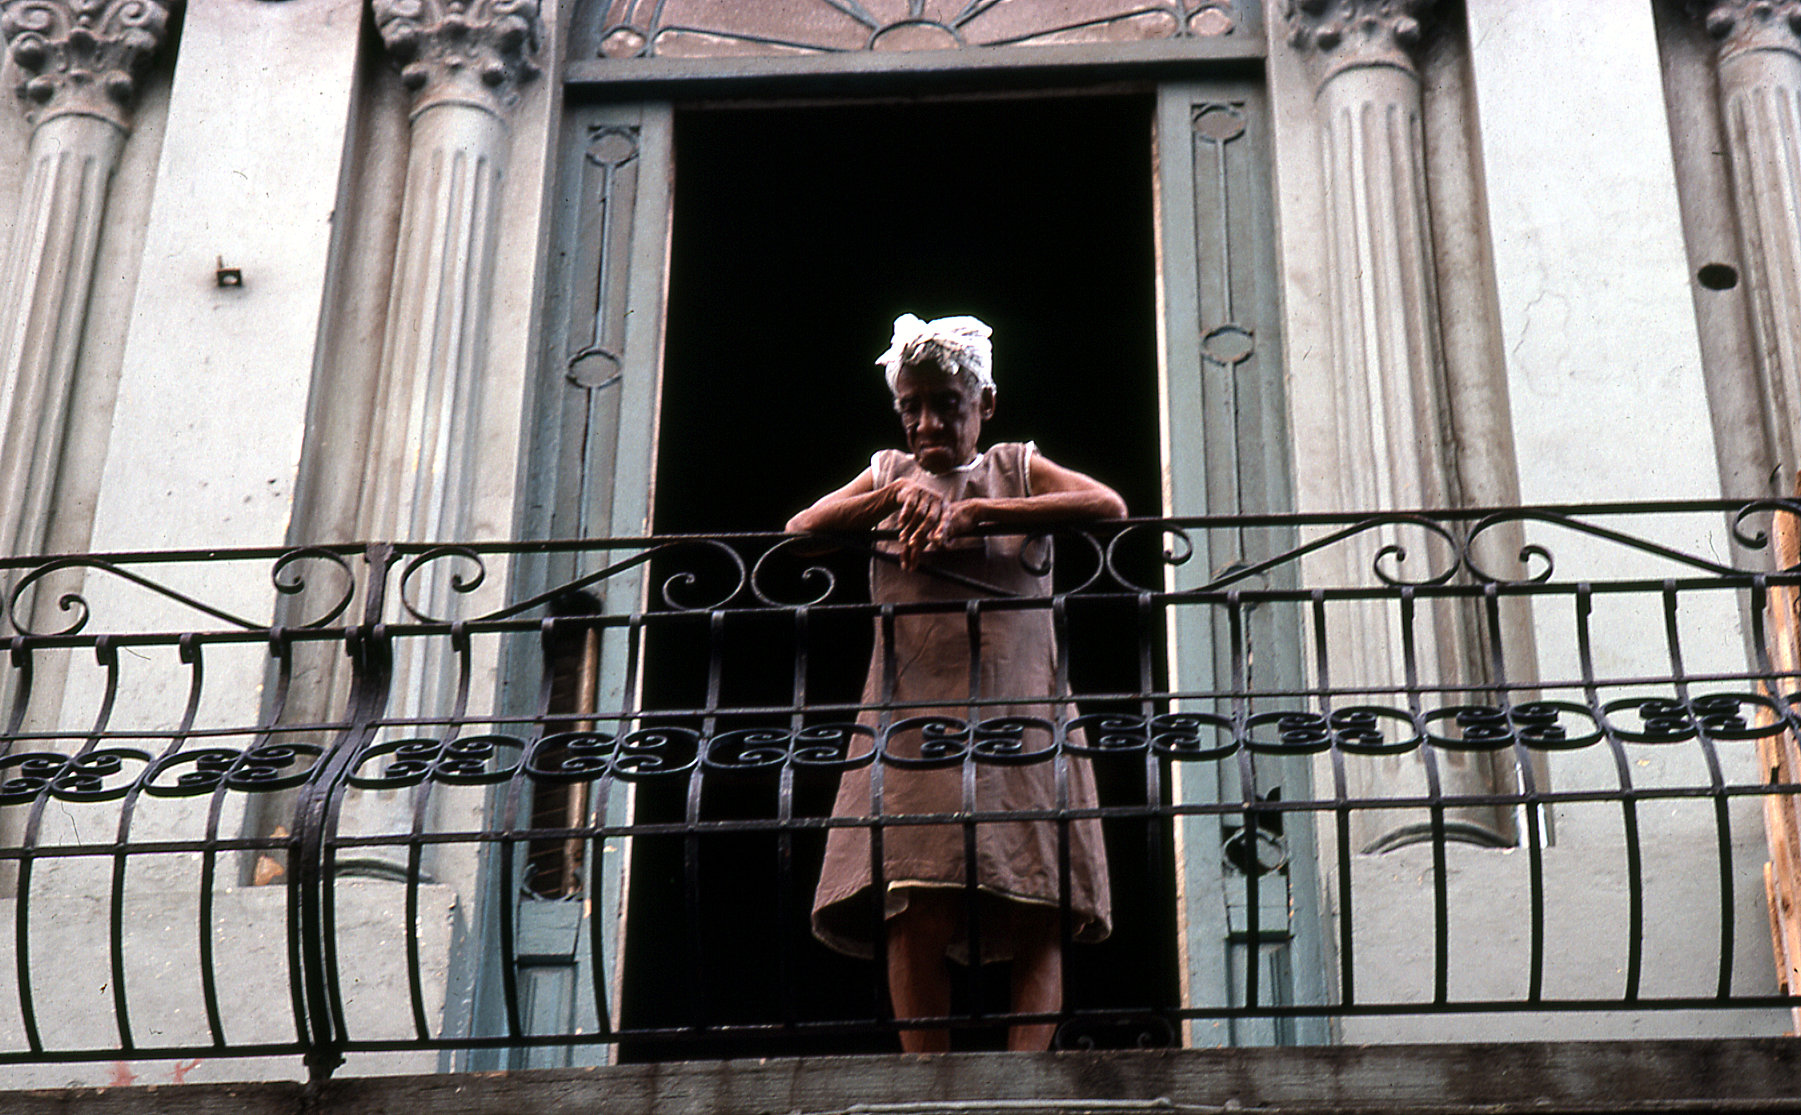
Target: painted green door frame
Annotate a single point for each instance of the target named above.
(1244, 938)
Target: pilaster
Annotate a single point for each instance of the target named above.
(1759, 73)
(77, 66)
(464, 62)
(1387, 368)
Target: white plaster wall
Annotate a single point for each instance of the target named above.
(1604, 362)
(206, 435)
(212, 404)
(71, 980)
(1603, 355)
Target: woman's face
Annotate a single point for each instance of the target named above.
(941, 414)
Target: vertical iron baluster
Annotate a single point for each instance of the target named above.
(1441, 873)
(209, 990)
(878, 873)
(1528, 790)
(371, 653)
(1154, 814)
(784, 814)
(1341, 796)
(460, 646)
(281, 649)
(106, 654)
(697, 984)
(1635, 896)
(1716, 780)
(190, 654)
(972, 620)
(1060, 771)
(1252, 817)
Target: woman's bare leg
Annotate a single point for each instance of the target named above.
(918, 983)
(1037, 976)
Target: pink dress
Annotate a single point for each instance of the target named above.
(1016, 861)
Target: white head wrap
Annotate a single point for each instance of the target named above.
(953, 343)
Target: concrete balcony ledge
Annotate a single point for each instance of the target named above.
(1734, 1074)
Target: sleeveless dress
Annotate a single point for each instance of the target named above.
(1016, 861)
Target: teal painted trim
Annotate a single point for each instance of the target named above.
(641, 367)
(633, 485)
(1226, 451)
(591, 455)
(1202, 918)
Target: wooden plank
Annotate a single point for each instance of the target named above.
(1781, 759)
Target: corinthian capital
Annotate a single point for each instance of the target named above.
(1743, 25)
(81, 56)
(1349, 33)
(461, 50)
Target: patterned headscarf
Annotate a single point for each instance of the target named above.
(953, 343)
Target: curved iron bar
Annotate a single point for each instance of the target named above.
(1240, 572)
(1397, 552)
(687, 579)
(810, 575)
(868, 544)
(297, 584)
(1569, 522)
(87, 777)
(743, 750)
(1761, 539)
(75, 601)
(458, 585)
(467, 760)
(252, 770)
(587, 579)
(1053, 553)
(834, 746)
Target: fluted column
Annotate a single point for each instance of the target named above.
(1388, 367)
(77, 65)
(463, 61)
(1759, 71)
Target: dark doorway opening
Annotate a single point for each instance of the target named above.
(799, 235)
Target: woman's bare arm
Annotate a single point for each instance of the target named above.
(856, 506)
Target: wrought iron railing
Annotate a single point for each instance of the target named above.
(572, 795)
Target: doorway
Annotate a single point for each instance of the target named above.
(799, 234)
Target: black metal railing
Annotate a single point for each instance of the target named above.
(573, 795)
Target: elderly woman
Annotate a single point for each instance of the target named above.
(933, 495)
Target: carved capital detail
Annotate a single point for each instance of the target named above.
(1742, 25)
(1348, 33)
(81, 56)
(461, 50)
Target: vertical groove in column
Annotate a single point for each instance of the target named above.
(1760, 90)
(433, 350)
(49, 271)
(1389, 378)
(420, 471)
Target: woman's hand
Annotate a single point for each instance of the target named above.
(959, 519)
(919, 512)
